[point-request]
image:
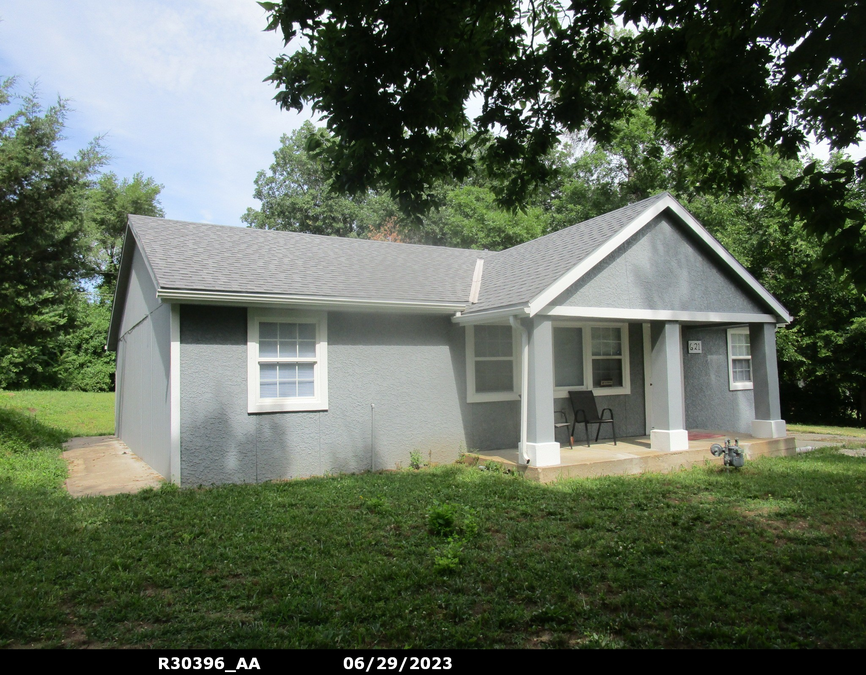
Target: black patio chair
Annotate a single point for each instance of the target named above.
(586, 412)
(563, 425)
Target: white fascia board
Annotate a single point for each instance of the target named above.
(491, 315)
(121, 288)
(146, 260)
(655, 315)
(667, 202)
(553, 291)
(278, 300)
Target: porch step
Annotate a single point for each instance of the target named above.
(627, 458)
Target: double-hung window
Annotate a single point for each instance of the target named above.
(739, 359)
(287, 360)
(493, 363)
(585, 356)
(589, 356)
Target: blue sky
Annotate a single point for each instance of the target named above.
(175, 87)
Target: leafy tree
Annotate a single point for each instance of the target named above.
(83, 363)
(42, 250)
(821, 353)
(106, 208)
(729, 77)
(297, 195)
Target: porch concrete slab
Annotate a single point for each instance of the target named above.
(634, 455)
(104, 465)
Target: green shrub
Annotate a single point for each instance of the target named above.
(442, 520)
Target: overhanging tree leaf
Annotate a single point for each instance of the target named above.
(394, 80)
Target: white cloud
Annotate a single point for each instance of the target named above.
(175, 86)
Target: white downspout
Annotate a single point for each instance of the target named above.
(524, 386)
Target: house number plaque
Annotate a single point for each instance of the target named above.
(695, 347)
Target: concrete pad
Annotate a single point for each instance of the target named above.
(634, 455)
(104, 465)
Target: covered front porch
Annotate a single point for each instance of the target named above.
(633, 456)
(666, 398)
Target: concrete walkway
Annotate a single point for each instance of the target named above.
(103, 465)
(811, 441)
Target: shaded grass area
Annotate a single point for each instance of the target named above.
(768, 556)
(852, 432)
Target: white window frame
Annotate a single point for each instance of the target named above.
(739, 386)
(473, 396)
(255, 403)
(562, 392)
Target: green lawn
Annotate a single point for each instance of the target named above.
(74, 413)
(853, 432)
(771, 555)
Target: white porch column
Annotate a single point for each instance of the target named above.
(768, 422)
(668, 431)
(541, 446)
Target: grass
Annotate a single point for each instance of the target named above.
(852, 432)
(772, 555)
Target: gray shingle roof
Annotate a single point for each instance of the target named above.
(201, 257)
(517, 275)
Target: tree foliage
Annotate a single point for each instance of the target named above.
(42, 244)
(729, 77)
(297, 194)
(106, 207)
(60, 231)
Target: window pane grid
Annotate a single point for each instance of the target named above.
(741, 370)
(607, 373)
(287, 340)
(740, 345)
(286, 380)
(494, 359)
(287, 360)
(606, 341)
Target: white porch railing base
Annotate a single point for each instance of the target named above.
(669, 439)
(769, 429)
(540, 454)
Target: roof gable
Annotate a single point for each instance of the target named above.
(519, 274)
(661, 267)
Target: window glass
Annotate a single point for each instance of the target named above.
(568, 356)
(493, 341)
(741, 370)
(496, 375)
(606, 373)
(278, 340)
(606, 341)
(740, 358)
(740, 345)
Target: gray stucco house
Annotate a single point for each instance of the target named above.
(246, 355)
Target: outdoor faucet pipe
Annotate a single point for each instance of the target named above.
(524, 384)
